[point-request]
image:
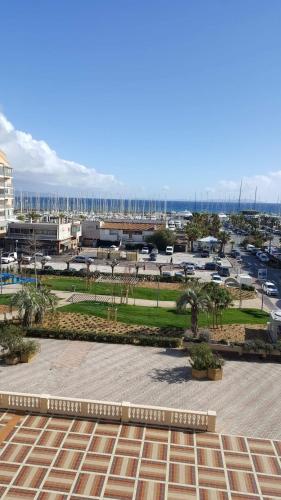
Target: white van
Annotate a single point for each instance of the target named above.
(250, 248)
(169, 250)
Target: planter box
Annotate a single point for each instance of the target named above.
(199, 374)
(11, 360)
(26, 358)
(215, 373)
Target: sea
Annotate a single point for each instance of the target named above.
(116, 205)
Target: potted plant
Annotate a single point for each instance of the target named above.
(28, 350)
(201, 358)
(215, 368)
(11, 341)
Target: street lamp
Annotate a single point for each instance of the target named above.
(17, 247)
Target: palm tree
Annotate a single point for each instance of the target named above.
(219, 300)
(224, 239)
(193, 233)
(25, 302)
(45, 300)
(32, 303)
(197, 298)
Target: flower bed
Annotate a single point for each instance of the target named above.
(238, 333)
(76, 326)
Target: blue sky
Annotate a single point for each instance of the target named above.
(181, 96)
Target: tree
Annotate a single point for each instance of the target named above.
(25, 302)
(32, 303)
(197, 298)
(219, 300)
(224, 239)
(45, 300)
(193, 232)
(113, 263)
(162, 238)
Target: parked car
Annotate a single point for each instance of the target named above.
(199, 267)
(221, 255)
(79, 259)
(26, 259)
(145, 250)
(235, 254)
(167, 274)
(179, 274)
(223, 271)
(264, 257)
(48, 268)
(205, 254)
(216, 279)
(210, 266)
(153, 257)
(270, 289)
(183, 264)
(169, 250)
(189, 269)
(7, 259)
(114, 247)
(258, 253)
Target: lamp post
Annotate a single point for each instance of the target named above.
(17, 248)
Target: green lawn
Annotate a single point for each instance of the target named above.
(161, 317)
(63, 283)
(5, 299)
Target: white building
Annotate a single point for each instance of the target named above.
(97, 233)
(48, 237)
(6, 192)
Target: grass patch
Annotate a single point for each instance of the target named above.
(162, 317)
(5, 299)
(64, 283)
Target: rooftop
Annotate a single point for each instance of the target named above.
(51, 458)
(132, 226)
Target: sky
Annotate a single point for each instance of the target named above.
(147, 98)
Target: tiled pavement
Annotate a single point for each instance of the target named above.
(51, 458)
(247, 399)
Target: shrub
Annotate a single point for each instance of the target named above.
(204, 336)
(29, 347)
(216, 362)
(135, 339)
(201, 356)
(248, 288)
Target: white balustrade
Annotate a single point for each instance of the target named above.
(121, 412)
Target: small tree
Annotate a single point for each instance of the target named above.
(113, 263)
(162, 238)
(197, 298)
(219, 300)
(224, 239)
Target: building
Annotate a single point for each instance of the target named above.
(46, 237)
(6, 193)
(106, 233)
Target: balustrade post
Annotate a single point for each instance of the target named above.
(44, 403)
(4, 400)
(212, 417)
(125, 412)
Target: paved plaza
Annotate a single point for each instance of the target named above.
(49, 458)
(247, 400)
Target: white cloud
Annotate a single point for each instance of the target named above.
(268, 186)
(38, 167)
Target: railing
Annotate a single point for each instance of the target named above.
(121, 412)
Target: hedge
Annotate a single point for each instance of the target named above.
(111, 338)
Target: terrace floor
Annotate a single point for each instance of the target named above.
(51, 458)
(247, 400)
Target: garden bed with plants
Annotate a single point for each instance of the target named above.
(91, 328)
(255, 347)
